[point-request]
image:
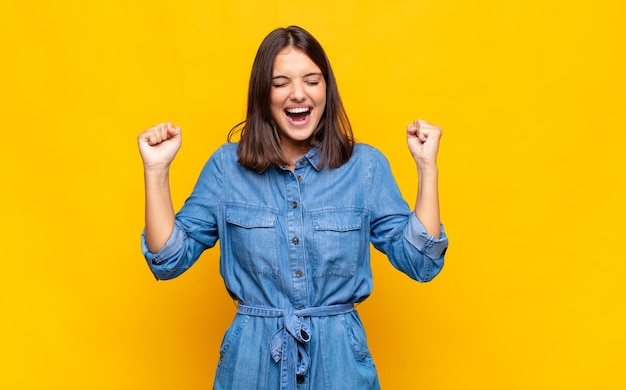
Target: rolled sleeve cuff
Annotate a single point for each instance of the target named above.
(171, 247)
(430, 246)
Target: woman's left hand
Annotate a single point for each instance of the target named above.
(423, 140)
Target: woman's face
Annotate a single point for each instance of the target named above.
(297, 98)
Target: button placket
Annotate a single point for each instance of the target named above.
(293, 200)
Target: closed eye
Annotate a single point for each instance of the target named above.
(279, 81)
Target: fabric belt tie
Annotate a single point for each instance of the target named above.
(289, 345)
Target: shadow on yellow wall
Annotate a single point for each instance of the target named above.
(529, 94)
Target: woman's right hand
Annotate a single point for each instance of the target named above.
(159, 144)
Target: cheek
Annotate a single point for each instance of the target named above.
(273, 100)
(276, 114)
(322, 103)
(321, 98)
(277, 99)
(275, 106)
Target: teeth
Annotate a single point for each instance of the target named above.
(298, 110)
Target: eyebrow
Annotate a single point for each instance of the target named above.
(306, 75)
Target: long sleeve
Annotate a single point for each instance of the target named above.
(195, 228)
(396, 231)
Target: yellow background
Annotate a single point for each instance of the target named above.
(531, 97)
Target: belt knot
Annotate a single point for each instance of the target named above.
(290, 344)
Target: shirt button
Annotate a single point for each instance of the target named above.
(295, 240)
(299, 178)
(299, 273)
(294, 205)
(301, 161)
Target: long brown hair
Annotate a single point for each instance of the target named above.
(259, 144)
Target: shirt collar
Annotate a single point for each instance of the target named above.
(314, 155)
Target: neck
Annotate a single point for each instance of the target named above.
(291, 151)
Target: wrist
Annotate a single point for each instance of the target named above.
(156, 169)
(427, 169)
(156, 174)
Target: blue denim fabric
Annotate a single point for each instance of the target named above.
(293, 241)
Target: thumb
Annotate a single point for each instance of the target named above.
(173, 131)
(412, 129)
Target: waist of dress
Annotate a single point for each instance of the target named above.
(319, 311)
(289, 345)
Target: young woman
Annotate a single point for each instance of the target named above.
(295, 204)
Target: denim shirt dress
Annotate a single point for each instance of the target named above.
(295, 254)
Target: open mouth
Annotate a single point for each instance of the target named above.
(298, 114)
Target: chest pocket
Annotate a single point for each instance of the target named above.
(254, 239)
(336, 243)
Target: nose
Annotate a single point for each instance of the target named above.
(297, 92)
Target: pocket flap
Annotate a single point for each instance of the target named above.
(250, 218)
(340, 221)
